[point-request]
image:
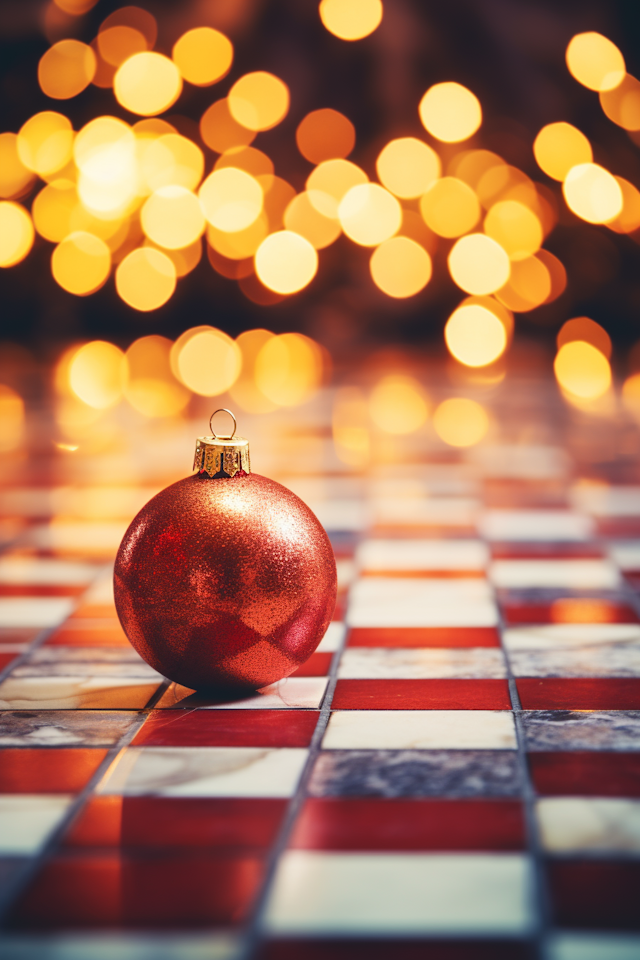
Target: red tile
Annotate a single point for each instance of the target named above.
(6, 659)
(546, 551)
(386, 949)
(40, 590)
(162, 822)
(570, 610)
(619, 528)
(95, 611)
(71, 634)
(374, 824)
(317, 665)
(228, 728)
(48, 770)
(595, 895)
(421, 695)
(109, 890)
(586, 774)
(423, 637)
(569, 693)
(426, 574)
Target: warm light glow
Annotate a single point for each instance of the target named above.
(245, 392)
(52, 208)
(631, 394)
(460, 422)
(171, 160)
(400, 267)
(252, 161)
(278, 194)
(206, 360)
(475, 336)
(241, 243)
(45, 143)
(185, 259)
(628, 220)
(350, 422)
(172, 217)
(557, 274)
(147, 83)
(231, 199)
(450, 112)
(351, 19)
(369, 214)
(146, 278)
(450, 207)
(586, 330)
(582, 370)
(325, 135)
(11, 419)
(289, 369)
(151, 387)
(15, 178)
(398, 404)
(478, 264)
(16, 233)
(203, 56)
(302, 217)
(622, 105)
(471, 165)
(329, 183)
(408, 167)
(559, 147)
(592, 193)
(595, 61)
(529, 285)
(97, 374)
(515, 227)
(66, 69)
(81, 263)
(75, 8)
(137, 19)
(220, 131)
(105, 153)
(117, 44)
(259, 101)
(285, 262)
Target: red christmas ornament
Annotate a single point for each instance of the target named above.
(225, 577)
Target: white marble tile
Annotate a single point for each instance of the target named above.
(133, 945)
(75, 693)
(372, 663)
(420, 730)
(593, 946)
(88, 502)
(520, 461)
(204, 772)
(34, 611)
(626, 554)
(584, 824)
(341, 514)
(609, 660)
(42, 570)
(375, 555)
(426, 511)
(551, 525)
(554, 636)
(373, 893)
(436, 480)
(601, 500)
(101, 590)
(26, 820)
(332, 638)
(293, 693)
(412, 602)
(346, 570)
(566, 574)
(90, 537)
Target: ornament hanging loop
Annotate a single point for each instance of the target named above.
(235, 424)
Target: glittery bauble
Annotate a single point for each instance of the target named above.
(228, 581)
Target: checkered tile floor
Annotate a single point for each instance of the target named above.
(454, 774)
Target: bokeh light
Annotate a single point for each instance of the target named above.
(241, 243)
(97, 374)
(80, 264)
(220, 131)
(529, 285)
(407, 167)
(52, 208)
(170, 160)
(622, 104)
(350, 426)
(286, 262)
(15, 178)
(146, 279)
(252, 161)
(474, 335)
(631, 394)
(289, 369)
(594, 61)
(628, 220)
(478, 264)
(245, 392)
(515, 227)
(450, 207)
(587, 330)
(592, 193)
(151, 387)
(66, 69)
(559, 147)
(398, 404)
(105, 152)
(302, 217)
(184, 259)
(369, 214)
(206, 360)
(351, 19)
(329, 183)
(203, 56)
(45, 143)
(16, 233)
(12, 419)
(325, 135)
(75, 8)
(400, 267)
(231, 199)
(460, 422)
(582, 370)
(556, 271)
(259, 101)
(172, 217)
(147, 83)
(450, 112)
(116, 44)
(471, 165)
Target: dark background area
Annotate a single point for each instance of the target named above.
(509, 52)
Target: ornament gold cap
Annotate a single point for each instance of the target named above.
(222, 456)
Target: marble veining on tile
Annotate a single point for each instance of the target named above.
(609, 660)
(572, 574)
(416, 773)
(75, 693)
(589, 824)
(433, 663)
(420, 730)
(292, 693)
(410, 602)
(566, 730)
(26, 820)
(34, 611)
(554, 636)
(550, 525)
(422, 555)
(63, 728)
